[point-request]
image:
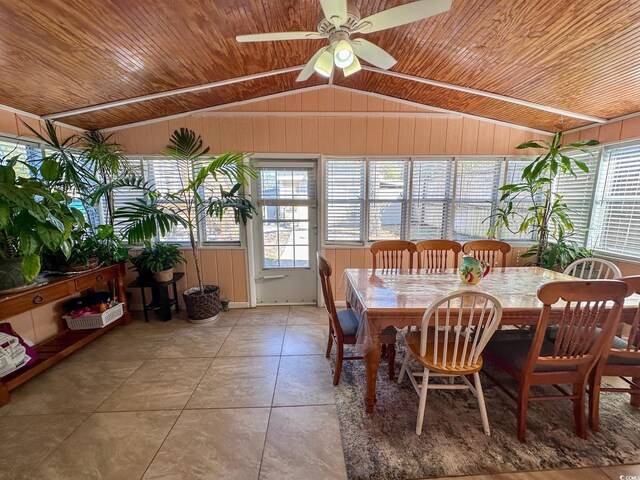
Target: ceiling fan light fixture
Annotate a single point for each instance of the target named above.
(324, 64)
(353, 68)
(343, 55)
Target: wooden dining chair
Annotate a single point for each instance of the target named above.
(455, 330)
(343, 326)
(488, 251)
(621, 359)
(435, 253)
(390, 254)
(592, 269)
(533, 358)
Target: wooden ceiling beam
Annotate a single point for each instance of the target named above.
(171, 93)
(483, 93)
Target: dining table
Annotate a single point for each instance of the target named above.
(400, 297)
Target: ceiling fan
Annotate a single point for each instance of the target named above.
(339, 20)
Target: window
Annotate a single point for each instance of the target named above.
(615, 227)
(477, 183)
(345, 183)
(28, 152)
(215, 230)
(431, 193)
(387, 199)
(514, 170)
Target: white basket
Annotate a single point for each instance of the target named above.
(96, 320)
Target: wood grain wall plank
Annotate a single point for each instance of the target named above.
(8, 123)
(390, 134)
(293, 136)
(260, 127)
(358, 142)
(225, 281)
(486, 132)
(453, 143)
(277, 141)
(406, 135)
(343, 134)
(326, 135)
(437, 142)
(244, 130)
(228, 134)
(501, 140)
(238, 259)
(422, 136)
(310, 140)
(470, 129)
(374, 136)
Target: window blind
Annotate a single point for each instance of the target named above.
(387, 199)
(577, 193)
(121, 196)
(431, 192)
(215, 230)
(616, 219)
(477, 183)
(513, 174)
(345, 185)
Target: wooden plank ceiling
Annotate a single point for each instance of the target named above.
(581, 56)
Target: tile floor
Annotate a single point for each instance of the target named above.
(249, 397)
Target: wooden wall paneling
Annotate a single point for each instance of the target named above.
(330, 255)
(437, 143)
(23, 325)
(501, 140)
(390, 135)
(47, 319)
(610, 132)
(374, 104)
(278, 104)
(22, 128)
(226, 281)
(406, 135)
(211, 133)
(422, 135)
(516, 137)
(590, 133)
(358, 140)
(342, 101)
(209, 265)
(244, 131)
(359, 102)
(469, 144)
(571, 137)
(293, 103)
(357, 258)
(343, 134)
(342, 262)
(260, 106)
(486, 132)
(8, 123)
(190, 267)
(326, 100)
(240, 276)
(453, 143)
(194, 122)
(293, 135)
(374, 136)
(310, 137)
(630, 128)
(309, 101)
(228, 134)
(277, 142)
(326, 135)
(260, 126)
(174, 124)
(390, 106)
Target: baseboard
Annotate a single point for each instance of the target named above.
(137, 307)
(238, 304)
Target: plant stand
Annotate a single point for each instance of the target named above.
(161, 302)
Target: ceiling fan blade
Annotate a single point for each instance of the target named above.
(403, 14)
(276, 36)
(308, 70)
(335, 11)
(372, 53)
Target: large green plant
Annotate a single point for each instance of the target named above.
(157, 212)
(158, 257)
(32, 216)
(532, 207)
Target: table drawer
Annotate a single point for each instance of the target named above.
(93, 279)
(38, 297)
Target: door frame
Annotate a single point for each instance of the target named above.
(251, 244)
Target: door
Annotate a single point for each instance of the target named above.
(286, 235)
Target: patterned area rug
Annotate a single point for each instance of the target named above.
(384, 445)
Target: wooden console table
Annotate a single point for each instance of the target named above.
(53, 350)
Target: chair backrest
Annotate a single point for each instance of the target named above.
(593, 269)
(390, 253)
(488, 251)
(458, 327)
(434, 253)
(325, 272)
(585, 327)
(633, 342)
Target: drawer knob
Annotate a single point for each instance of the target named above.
(38, 299)
(99, 278)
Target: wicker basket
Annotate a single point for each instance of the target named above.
(95, 320)
(202, 307)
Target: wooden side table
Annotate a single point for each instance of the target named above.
(161, 303)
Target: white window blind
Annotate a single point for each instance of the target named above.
(215, 230)
(431, 193)
(345, 186)
(513, 174)
(577, 193)
(615, 226)
(477, 183)
(387, 199)
(122, 196)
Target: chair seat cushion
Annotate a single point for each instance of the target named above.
(512, 347)
(621, 344)
(349, 323)
(412, 340)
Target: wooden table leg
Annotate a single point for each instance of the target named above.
(635, 398)
(371, 363)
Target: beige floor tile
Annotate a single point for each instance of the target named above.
(109, 446)
(161, 384)
(304, 380)
(27, 440)
(305, 340)
(307, 315)
(303, 442)
(622, 472)
(70, 387)
(213, 444)
(253, 341)
(192, 343)
(569, 474)
(237, 382)
(262, 316)
(123, 344)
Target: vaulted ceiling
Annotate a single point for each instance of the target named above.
(576, 56)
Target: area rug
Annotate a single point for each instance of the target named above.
(384, 445)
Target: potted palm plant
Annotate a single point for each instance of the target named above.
(159, 260)
(157, 212)
(532, 205)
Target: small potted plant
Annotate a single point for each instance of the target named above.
(158, 259)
